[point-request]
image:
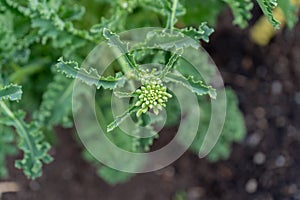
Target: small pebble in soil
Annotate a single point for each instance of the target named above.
(276, 111)
(195, 193)
(251, 185)
(259, 158)
(268, 179)
(297, 196)
(261, 71)
(224, 172)
(167, 174)
(297, 98)
(240, 80)
(292, 131)
(247, 63)
(259, 112)
(34, 185)
(280, 161)
(276, 88)
(289, 190)
(262, 124)
(280, 121)
(254, 139)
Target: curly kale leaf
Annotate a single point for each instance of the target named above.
(31, 142)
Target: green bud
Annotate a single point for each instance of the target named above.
(152, 95)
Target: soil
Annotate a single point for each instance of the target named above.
(264, 166)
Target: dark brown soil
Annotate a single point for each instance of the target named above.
(267, 82)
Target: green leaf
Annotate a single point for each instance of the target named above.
(14, 43)
(30, 142)
(121, 140)
(241, 11)
(164, 39)
(89, 77)
(47, 24)
(193, 59)
(119, 119)
(11, 92)
(113, 176)
(164, 7)
(202, 33)
(56, 107)
(121, 94)
(197, 87)
(143, 144)
(171, 63)
(290, 12)
(114, 23)
(198, 11)
(6, 148)
(234, 129)
(114, 41)
(267, 7)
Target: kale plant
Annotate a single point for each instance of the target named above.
(43, 44)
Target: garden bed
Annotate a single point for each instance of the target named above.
(264, 166)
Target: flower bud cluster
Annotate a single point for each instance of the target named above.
(152, 96)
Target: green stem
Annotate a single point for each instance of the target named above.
(172, 15)
(26, 71)
(173, 59)
(18, 125)
(123, 62)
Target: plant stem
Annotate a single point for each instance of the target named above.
(19, 126)
(25, 71)
(171, 18)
